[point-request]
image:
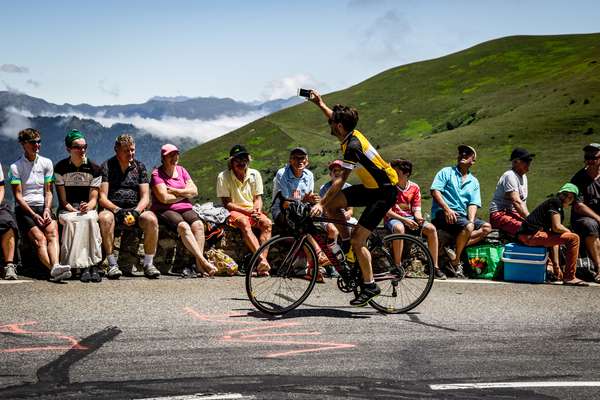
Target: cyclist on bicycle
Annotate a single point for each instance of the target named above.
(377, 193)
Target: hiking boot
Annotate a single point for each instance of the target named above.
(151, 271)
(59, 270)
(330, 272)
(85, 275)
(439, 274)
(10, 272)
(114, 272)
(95, 275)
(365, 296)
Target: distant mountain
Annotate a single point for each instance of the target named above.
(204, 108)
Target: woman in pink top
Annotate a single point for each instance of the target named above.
(172, 189)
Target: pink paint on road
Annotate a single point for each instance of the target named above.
(17, 329)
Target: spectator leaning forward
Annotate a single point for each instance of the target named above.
(456, 198)
(585, 214)
(124, 195)
(240, 189)
(32, 177)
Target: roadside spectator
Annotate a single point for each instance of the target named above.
(77, 184)
(296, 182)
(456, 198)
(124, 195)
(31, 178)
(8, 232)
(543, 227)
(172, 191)
(508, 208)
(585, 214)
(405, 215)
(335, 171)
(240, 189)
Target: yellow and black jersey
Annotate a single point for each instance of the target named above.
(373, 171)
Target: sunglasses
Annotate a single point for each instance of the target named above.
(79, 147)
(34, 141)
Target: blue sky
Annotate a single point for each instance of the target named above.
(116, 52)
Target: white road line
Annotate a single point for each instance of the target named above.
(13, 282)
(202, 396)
(510, 385)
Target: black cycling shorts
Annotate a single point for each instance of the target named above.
(377, 202)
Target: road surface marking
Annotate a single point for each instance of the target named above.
(201, 396)
(12, 282)
(510, 385)
(17, 329)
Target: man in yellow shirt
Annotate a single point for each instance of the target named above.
(240, 189)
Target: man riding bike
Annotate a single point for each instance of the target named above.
(377, 193)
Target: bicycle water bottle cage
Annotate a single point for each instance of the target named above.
(297, 216)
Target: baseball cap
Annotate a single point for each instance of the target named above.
(592, 147)
(463, 148)
(238, 150)
(300, 150)
(569, 188)
(520, 153)
(335, 163)
(168, 148)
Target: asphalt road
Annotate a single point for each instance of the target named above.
(202, 339)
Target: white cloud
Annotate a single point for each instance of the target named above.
(11, 88)
(13, 69)
(386, 37)
(15, 122)
(35, 84)
(288, 86)
(112, 90)
(197, 130)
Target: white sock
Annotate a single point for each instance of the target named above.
(112, 260)
(148, 258)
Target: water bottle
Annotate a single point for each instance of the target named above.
(337, 252)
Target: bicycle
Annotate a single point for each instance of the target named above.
(294, 268)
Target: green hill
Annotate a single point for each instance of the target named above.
(538, 92)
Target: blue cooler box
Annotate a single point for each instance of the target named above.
(524, 263)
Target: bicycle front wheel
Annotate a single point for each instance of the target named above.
(291, 277)
(405, 279)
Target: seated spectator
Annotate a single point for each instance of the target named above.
(77, 184)
(296, 182)
(456, 198)
(31, 177)
(543, 227)
(172, 191)
(508, 208)
(405, 215)
(585, 214)
(124, 195)
(8, 231)
(240, 189)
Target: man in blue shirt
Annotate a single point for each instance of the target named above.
(456, 198)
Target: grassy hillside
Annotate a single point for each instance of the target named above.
(539, 92)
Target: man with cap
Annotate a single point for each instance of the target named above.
(543, 227)
(585, 214)
(508, 207)
(77, 185)
(240, 189)
(125, 195)
(456, 198)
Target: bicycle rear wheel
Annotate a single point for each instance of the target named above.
(291, 278)
(404, 286)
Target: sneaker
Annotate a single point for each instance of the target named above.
(114, 272)
(64, 275)
(365, 296)
(85, 275)
(151, 271)
(10, 272)
(330, 272)
(95, 275)
(440, 275)
(59, 270)
(459, 271)
(189, 272)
